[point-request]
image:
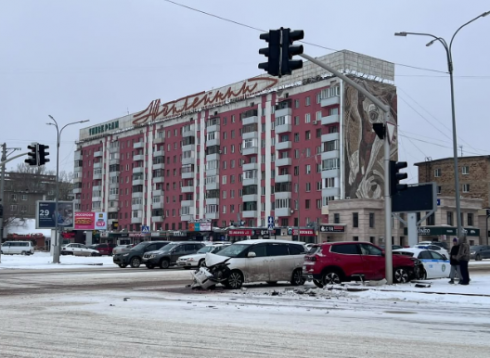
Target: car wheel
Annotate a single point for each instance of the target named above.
(201, 263)
(150, 266)
(331, 277)
(122, 266)
(164, 264)
(318, 283)
(271, 283)
(478, 257)
(297, 278)
(93, 254)
(23, 253)
(423, 275)
(135, 262)
(235, 280)
(400, 275)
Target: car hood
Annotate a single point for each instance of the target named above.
(213, 259)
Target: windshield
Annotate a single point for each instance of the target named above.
(168, 247)
(205, 249)
(233, 250)
(140, 246)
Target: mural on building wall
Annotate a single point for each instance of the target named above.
(363, 150)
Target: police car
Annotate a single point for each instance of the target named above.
(435, 264)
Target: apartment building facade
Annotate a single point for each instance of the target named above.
(239, 154)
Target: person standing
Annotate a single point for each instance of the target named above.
(455, 271)
(463, 257)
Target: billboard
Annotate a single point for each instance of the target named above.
(46, 216)
(90, 221)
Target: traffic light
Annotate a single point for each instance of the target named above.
(43, 154)
(380, 130)
(396, 177)
(273, 52)
(33, 155)
(288, 65)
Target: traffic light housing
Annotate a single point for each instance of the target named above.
(273, 52)
(288, 65)
(33, 155)
(43, 155)
(396, 177)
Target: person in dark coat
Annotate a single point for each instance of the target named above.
(455, 272)
(463, 257)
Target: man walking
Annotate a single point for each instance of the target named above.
(463, 257)
(455, 272)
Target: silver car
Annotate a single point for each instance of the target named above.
(196, 260)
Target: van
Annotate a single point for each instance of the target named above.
(17, 247)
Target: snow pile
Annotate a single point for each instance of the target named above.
(43, 260)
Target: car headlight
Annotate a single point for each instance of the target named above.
(191, 259)
(126, 254)
(152, 256)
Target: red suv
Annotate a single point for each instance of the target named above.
(335, 262)
(104, 249)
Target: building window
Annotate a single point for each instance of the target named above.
(466, 188)
(308, 101)
(449, 215)
(371, 220)
(296, 103)
(307, 135)
(437, 172)
(465, 170)
(336, 218)
(307, 118)
(307, 203)
(355, 238)
(431, 219)
(470, 219)
(296, 120)
(355, 219)
(308, 187)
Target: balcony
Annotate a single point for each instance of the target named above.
(212, 216)
(113, 161)
(250, 150)
(138, 182)
(186, 217)
(187, 203)
(249, 214)
(250, 120)
(250, 166)
(77, 201)
(97, 188)
(77, 190)
(139, 158)
(137, 207)
(113, 197)
(330, 136)
(188, 160)
(138, 145)
(281, 162)
(213, 128)
(157, 192)
(213, 142)
(77, 179)
(249, 181)
(158, 166)
(334, 118)
(114, 173)
(285, 178)
(214, 156)
(330, 101)
(158, 153)
(188, 147)
(327, 192)
(212, 172)
(113, 209)
(78, 169)
(212, 201)
(158, 179)
(187, 189)
(77, 155)
(284, 145)
(283, 112)
(114, 185)
(283, 128)
(96, 199)
(138, 194)
(212, 185)
(98, 165)
(138, 170)
(250, 135)
(332, 173)
(98, 154)
(137, 220)
(249, 197)
(114, 150)
(331, 154)
(159, 140)
(281, 212)
(187, 175)
(157, 205)
(189, 131)
(283, 195)
(157, 219)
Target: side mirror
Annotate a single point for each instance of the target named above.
(251, 254)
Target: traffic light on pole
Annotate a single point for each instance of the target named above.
(288, 65)
(43, 154)
(396, 177)
(273, 52)
(33, 155)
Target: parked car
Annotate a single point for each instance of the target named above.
(263, 261)
(78, 250)
(103, 249)
(168, 255)
(335, 262)
(121, 249)
(17, 247)
(134, 257)
(437, 243)
(434, 264)
(479, 252)
(197, 259)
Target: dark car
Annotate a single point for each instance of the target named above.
(334, 262)
(104, 249)
(479, 252)
(168, 255)
(134, 257)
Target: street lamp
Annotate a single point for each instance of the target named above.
(455, 139)
(57, 241)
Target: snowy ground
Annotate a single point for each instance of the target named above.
(43, 260)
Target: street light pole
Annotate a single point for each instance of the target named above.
(448, 49)
(57, 241)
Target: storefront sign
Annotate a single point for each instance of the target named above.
(246, 232)
(332, 228)
(199, 226)
(90, 221)
(304, 232)
(443, 230)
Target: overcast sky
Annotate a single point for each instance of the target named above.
(99, 59)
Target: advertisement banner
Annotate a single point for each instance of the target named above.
(100, 221)
(84, 221)
(46, 215)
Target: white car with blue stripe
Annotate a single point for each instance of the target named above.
(435, 264)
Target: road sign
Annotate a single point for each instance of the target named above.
(270, 222)
(421, 197)
(438, 202)
(145, 229)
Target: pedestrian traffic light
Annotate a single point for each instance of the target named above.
(273, 52)
(396, 177)
(43, 154)
(288, 65)
(33, 155)
(380, 130)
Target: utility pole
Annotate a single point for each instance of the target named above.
(2, 183)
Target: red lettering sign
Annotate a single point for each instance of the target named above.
(240, 233)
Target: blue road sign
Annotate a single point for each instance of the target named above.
(438, 202)
(145, 229)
